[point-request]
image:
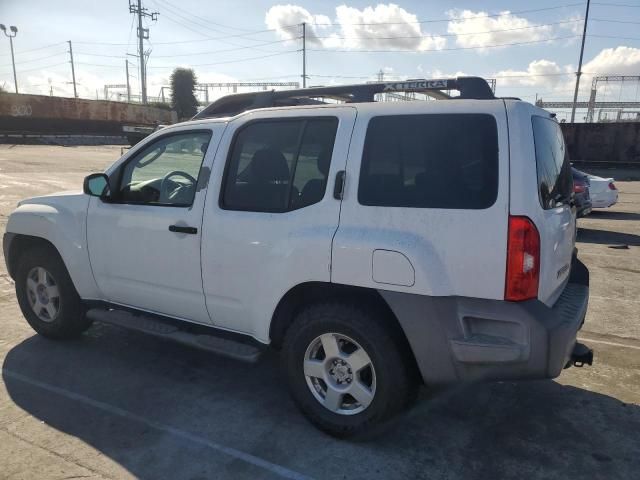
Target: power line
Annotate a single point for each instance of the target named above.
(445, 49)
(196, 65)
(181, 13)
(232, 61)
(34, 49)
(487, 76)
(190, 54)
(616, 5)
(36, 59)
(98, 65)
(37, 68)
(191, 24)
(504, 14)
(614, 21)
(206, 20)
(224, 50)
(434, 35)
(613, 36)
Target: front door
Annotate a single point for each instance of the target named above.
(144, 244)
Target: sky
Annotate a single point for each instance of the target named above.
(531, 48)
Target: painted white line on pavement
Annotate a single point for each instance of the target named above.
(232, 452)
(604, 342)
(615, 299)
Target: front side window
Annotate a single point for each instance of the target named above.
(552, 163)
(279, 165)
(166, 172)
(430, 161)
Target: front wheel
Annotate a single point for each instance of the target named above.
(345, 368)
(46, 295)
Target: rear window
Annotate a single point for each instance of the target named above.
(430, 161)
(555, 183)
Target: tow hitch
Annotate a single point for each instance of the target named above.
(581, 355)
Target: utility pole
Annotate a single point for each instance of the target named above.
(143, 34)
(14, 32)
(304, 55)
(73, 72)
(126, 66)
(579, 72)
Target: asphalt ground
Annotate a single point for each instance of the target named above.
(117, 404)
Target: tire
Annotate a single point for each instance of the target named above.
(389, 385)
(61, 314)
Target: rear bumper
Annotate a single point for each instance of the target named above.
(456, 339)
(604, 199)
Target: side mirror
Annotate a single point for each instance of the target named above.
(96, 185)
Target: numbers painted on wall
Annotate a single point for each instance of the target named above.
(21, 110)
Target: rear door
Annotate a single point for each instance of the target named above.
(270, 212)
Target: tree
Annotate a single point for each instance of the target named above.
(183, 99)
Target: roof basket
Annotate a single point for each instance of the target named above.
(469, 87)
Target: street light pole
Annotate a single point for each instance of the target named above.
(14, 31)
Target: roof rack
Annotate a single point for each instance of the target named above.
(469, 87)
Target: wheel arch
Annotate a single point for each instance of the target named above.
(312, 292)
(20, 243)
(79, 271)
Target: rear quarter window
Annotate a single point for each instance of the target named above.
(555, 183)
(430, 161)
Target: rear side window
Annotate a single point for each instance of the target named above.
(279, 165)
(555, 183)
(430, 161)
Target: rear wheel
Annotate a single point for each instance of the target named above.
(46, 295)
(345, 368)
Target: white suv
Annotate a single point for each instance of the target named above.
(378, 245)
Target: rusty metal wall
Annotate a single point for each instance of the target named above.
(603, 143)
(40, 113)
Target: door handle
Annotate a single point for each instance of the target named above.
(180, 229)
(338, 187)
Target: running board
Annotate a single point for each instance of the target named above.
(169, 330)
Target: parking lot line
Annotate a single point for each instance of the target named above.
(232, 452)
(604, 342)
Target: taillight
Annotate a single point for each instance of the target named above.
(523, 260)
(612, 186)
(579, 187)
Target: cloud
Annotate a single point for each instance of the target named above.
(383, 27)
(42, 82)
(286, 20)
(560, 79)
(506, 28)
(538, 73)
(620, 60)
(574, 25)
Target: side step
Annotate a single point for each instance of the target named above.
(191, 335)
